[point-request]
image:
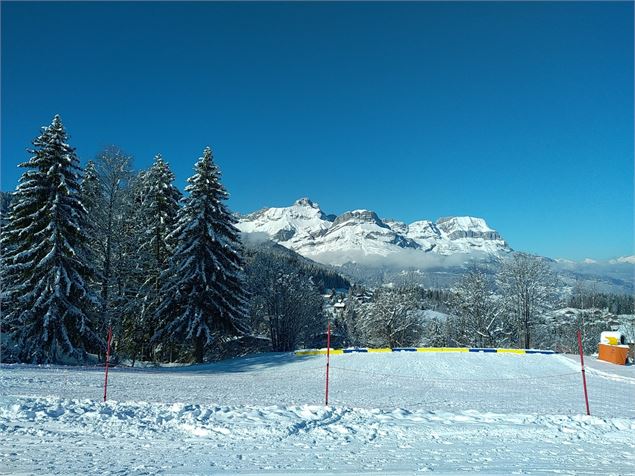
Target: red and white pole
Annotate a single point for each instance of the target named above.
(107, 361)
(586, 395)
(328, 359)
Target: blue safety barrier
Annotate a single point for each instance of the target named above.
(424, 349)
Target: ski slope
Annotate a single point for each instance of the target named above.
(394, 413)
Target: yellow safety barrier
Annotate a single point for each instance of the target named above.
(318, 352)
(307, 352)
(510, 351)
(442, 349)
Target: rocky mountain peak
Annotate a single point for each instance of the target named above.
(466, 227)
(306, 202)
(360, 216)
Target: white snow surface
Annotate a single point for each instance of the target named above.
(429, 314)
(391, 413)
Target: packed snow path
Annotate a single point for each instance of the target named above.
(494, 413)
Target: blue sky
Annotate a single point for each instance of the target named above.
(521, 113)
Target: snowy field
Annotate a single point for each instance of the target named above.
(389, 413)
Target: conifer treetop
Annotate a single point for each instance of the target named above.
(204, 291)
(46, 265)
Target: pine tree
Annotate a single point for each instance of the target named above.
(91, 196)
(45, 264)
(5, 206)
(158, 209)
(90, 189)
(204, 295)
(156, 202)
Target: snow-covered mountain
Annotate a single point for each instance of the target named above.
(623, 260)
(360, 235)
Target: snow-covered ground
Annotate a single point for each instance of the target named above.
(396, 412)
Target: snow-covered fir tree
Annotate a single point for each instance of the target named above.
(152, 206)
(5, 206)
(90, 196)
(46, 266)
(159, 207)
(203, 293)
(90, 189)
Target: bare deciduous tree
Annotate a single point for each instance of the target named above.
(392, 319)
(528, 288)
(477, 321)
(285, 303)
(113, 169)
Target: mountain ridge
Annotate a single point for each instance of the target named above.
(356, 235)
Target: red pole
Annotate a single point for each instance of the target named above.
(107, 361)
(328, 358)
(586, 395)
